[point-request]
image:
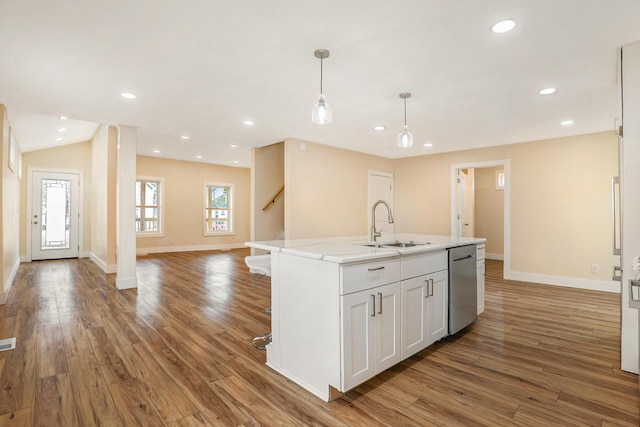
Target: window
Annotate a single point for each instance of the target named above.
(218, 212)
(500, 180)
(149, 206)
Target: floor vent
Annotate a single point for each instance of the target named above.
(7, 344)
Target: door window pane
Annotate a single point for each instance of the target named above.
(56, 214)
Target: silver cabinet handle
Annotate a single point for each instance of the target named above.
(376, 269)
(431, 294)
(616, 247)
(380, 309)
(427, 282)
(616, 276)
(373, 300)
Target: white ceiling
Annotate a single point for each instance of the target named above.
(201, 67)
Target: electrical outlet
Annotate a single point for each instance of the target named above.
(594, 268)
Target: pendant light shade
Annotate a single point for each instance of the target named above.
(321, 112)
(405, 138)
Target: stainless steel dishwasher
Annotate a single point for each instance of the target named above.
(463, 287)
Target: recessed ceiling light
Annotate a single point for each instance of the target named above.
(156, 151)
(566, 122)
(233, 146)
(62, 129)
(379, 127)
(128, 95)
(503, 26)
(547, 91)
(185, 137)
(62, 117)
(235, 162)
(59, 139)
(247, 122)
(428, 144)
(198, 156)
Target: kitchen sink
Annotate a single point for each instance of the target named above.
(397, 244)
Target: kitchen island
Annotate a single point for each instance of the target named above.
(344, 309)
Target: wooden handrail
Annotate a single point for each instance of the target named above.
(273, 199)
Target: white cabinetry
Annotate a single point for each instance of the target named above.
(480, 249)
(424, 301)
(370, 333)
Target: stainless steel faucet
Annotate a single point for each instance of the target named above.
(375, 233)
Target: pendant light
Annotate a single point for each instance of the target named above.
(321, 112)
(405, 138)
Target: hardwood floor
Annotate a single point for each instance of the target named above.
(177, 352)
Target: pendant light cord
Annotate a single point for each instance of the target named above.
(321, 60)
(405, 111)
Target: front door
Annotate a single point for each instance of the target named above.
(54, 215)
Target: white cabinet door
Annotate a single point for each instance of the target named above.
(481, 274)
(425, 302)
(370, 333)
(358, 358)
(438, 306)
(387, 326)
(414, 315)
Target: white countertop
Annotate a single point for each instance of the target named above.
(353, 249)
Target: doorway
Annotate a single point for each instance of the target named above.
(380, 188)
(462, 201)
(54, 214)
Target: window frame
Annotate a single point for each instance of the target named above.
(160, 206)
(231, 209)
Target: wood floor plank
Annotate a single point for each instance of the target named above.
(133, 404)
(18, 380)
(160, 387)
(51, 342)
(177, 351)
(54, 402)
(93, 402)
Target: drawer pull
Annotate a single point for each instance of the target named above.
(376, 269)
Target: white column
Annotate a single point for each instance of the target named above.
(126, 200)
(630, 200)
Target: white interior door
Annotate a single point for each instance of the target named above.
(54, 215)
(462, 204)
(380, 188)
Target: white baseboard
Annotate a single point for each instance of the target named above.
(14, 271)
(499, 257)
(129, 283)
(109, 269)
(570, 282)
(166, 249)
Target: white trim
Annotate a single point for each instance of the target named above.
(505, 163)
(569, 282)
(108, 269)
(499, 257)
(168, 249)
(81, 185)
(14, 271)
(129, 283)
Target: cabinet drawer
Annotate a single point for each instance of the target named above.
(479, 252)
(419, 264)
(358, 277)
